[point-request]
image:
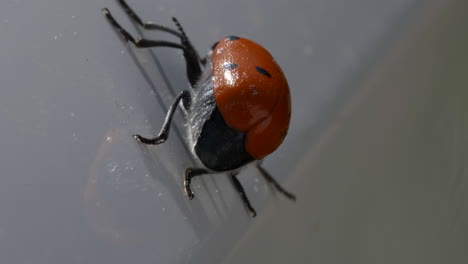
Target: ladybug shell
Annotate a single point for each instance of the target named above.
(252, 94)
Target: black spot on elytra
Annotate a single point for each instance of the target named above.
(232, 38)
(263, 71)
(229, 66)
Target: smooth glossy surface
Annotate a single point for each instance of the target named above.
(76, 187)
(388, 183)
(252, 93)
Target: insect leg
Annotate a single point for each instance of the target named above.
(241, 191)
(148, 24)
(189, 174)
(139, 43)
(271, 180)
(190, 54)
(164, 133)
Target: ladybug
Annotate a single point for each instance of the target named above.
(238, 109)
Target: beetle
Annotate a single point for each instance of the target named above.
(238, 109)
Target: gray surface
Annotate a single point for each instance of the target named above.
(388, 181)
(76, 188)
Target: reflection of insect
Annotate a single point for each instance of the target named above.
(238, 111)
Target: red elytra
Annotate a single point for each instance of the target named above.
(251, 93)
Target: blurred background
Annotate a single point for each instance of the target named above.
(376, 152)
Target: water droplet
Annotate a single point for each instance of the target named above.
(112, 166)
(109, 139)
